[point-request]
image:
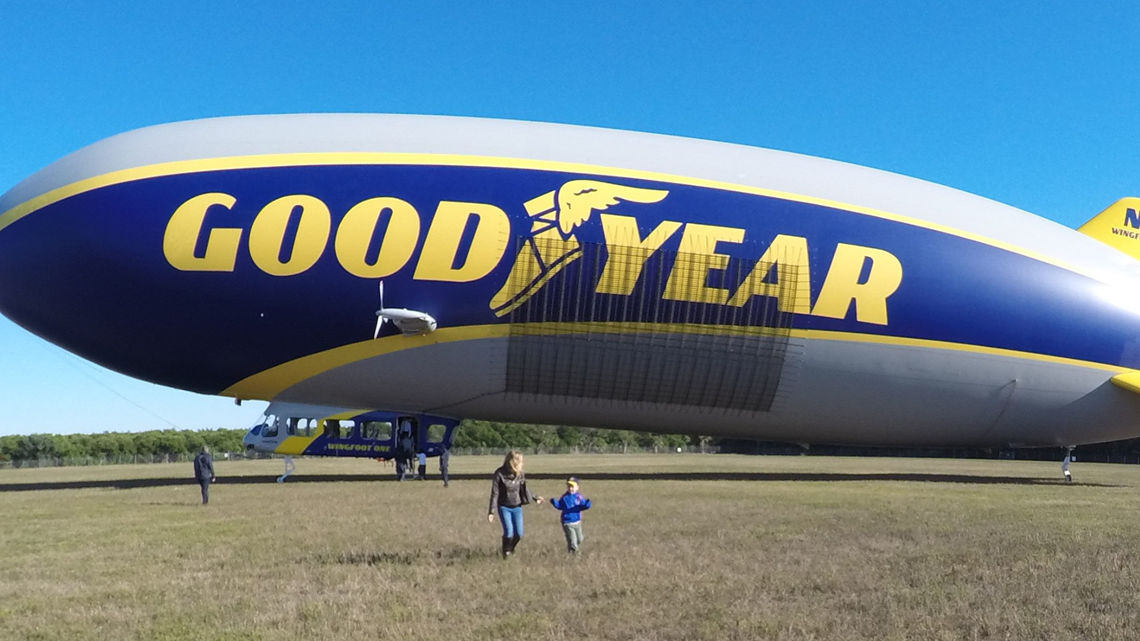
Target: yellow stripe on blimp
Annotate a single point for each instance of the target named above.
(268, 384)
(1129, 381)
(271, 382)
(264, 161)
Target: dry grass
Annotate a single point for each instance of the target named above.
(791, 548)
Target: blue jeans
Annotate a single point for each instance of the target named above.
(512, 520)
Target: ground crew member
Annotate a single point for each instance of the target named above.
(204, 472)
(421, 470)
(444, 459)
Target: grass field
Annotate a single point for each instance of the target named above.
(677, 547)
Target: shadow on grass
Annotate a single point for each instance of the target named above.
(819, 477)
(445, 557)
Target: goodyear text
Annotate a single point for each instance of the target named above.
(858, 280)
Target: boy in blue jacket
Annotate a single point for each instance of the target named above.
(571, 504)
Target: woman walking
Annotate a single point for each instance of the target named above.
(508, 494)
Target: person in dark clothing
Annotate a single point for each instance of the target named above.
(508, 494)
(444, 459)
(204, 472)
(406, 451)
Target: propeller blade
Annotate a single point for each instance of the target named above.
(379, 319)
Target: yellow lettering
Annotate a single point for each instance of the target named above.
(358, 227)
(842, 285)
(789, 255)
(184, 229)
(267, 235)
(628, 252)
(441, 247)
(696, 258)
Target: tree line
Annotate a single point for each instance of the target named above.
(117, 444)
(174, 443)
(490, 434)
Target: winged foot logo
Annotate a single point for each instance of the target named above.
(552, 244)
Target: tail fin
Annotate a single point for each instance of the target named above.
(1118, 226)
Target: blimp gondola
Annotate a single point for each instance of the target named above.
(544, 273)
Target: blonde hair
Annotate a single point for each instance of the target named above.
(513, 461)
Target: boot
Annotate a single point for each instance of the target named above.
(514, 543)
(508, 547)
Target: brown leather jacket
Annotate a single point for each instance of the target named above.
(508, 490)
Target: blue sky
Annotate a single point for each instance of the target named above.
(1033, 104)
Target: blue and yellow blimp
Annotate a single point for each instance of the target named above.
(556, 274)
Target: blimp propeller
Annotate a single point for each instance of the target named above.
(380, 318)
(408, 321)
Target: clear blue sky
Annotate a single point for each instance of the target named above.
(1035, 104)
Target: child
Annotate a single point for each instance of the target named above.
(571, 505)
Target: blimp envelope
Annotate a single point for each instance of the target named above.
(556, 274)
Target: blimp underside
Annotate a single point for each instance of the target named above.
(566, 275)
(644, 362)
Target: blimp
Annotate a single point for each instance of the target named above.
(452, 268)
